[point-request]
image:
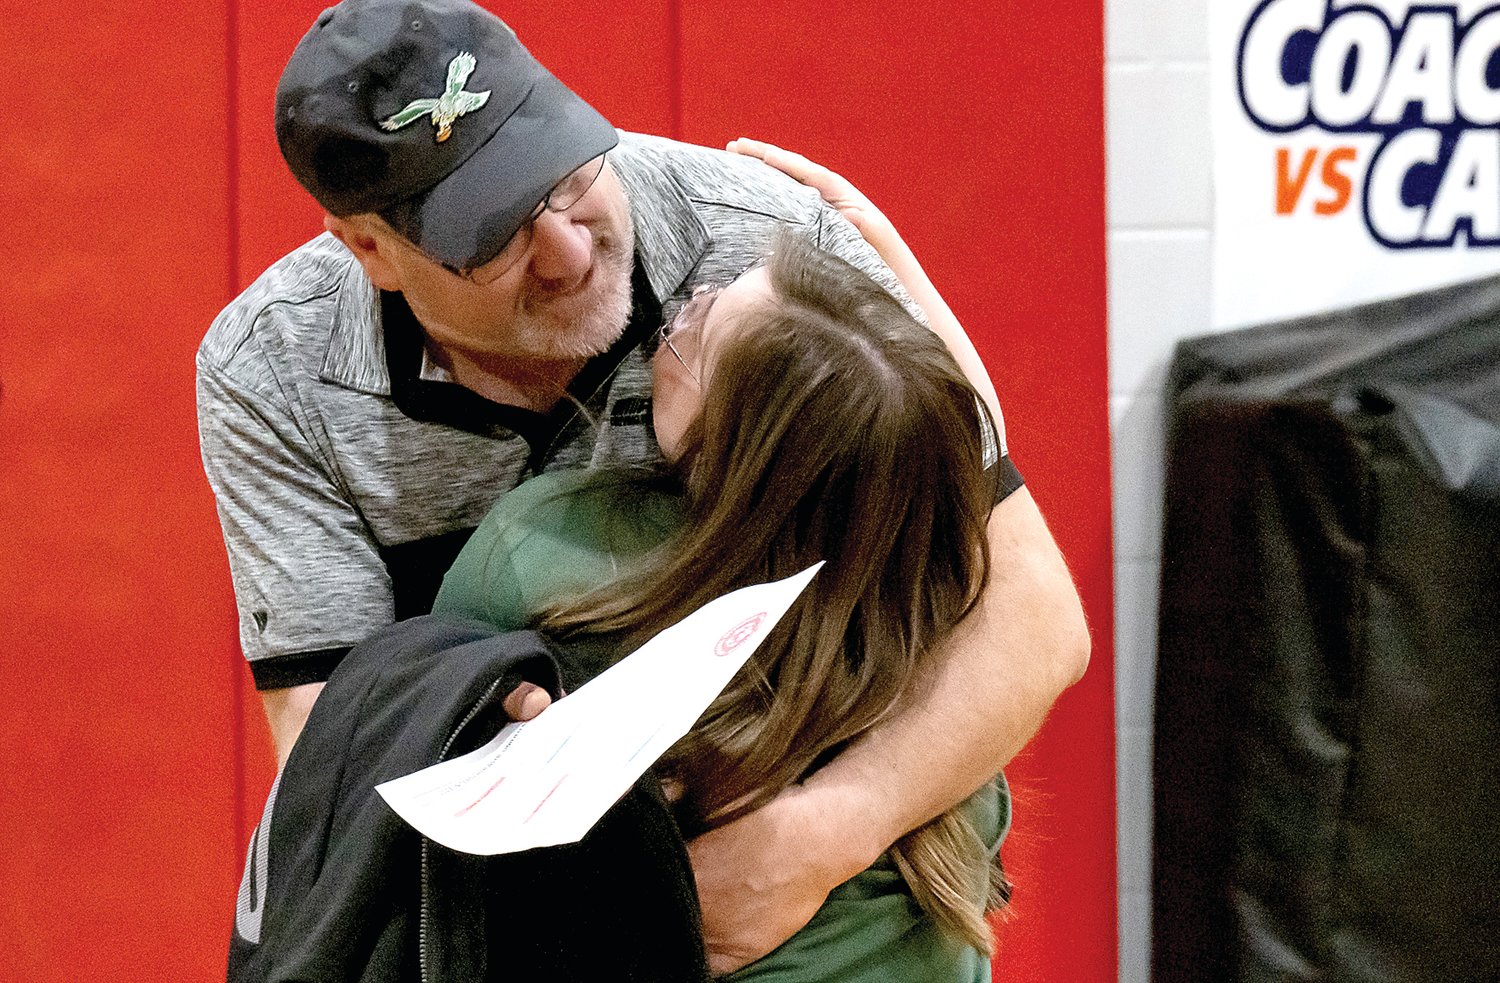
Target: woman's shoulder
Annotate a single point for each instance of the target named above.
(586, 486)
(606, 509)
(555, 533)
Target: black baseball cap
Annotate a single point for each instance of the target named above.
(431, 114)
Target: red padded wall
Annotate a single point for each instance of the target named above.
(145, 189)
(115, 619)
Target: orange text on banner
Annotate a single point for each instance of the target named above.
(1289, 188)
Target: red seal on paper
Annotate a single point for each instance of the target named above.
(739, 634)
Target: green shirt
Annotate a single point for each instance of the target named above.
(563, 533)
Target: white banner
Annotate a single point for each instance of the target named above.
(1357, 151)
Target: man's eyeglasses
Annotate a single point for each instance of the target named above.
(563, 196)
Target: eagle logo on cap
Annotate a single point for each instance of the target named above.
(446, 108)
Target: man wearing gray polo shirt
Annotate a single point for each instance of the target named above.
(497, 257)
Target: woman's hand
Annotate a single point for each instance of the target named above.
(882, 236)
(850, 203)
(526, 701)
(835, 189)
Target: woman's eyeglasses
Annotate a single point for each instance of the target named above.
(686, 329)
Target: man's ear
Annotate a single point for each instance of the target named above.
(373, 253)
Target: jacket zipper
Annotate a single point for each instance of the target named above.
(443, 756)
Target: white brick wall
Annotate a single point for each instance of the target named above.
(1160, 226)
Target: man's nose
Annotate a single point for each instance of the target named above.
(561, 250)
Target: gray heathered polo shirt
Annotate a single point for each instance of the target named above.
(329, 493)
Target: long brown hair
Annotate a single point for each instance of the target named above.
(838, 428)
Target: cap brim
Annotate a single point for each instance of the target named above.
(467, 218)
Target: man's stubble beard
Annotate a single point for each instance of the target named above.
(581, 327)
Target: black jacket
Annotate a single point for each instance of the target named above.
(338, 888)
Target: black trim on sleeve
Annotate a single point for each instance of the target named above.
(297, 669)
(1007, 479)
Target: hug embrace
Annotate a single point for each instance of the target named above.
(560, 386)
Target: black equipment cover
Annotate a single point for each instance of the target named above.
(1327, 760)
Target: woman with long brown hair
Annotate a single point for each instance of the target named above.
(808, 417)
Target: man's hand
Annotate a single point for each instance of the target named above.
(762, 877)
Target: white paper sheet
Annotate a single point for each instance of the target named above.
(549, 780)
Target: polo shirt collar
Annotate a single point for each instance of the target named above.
(355, 358)
(670, 237)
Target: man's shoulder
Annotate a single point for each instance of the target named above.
(293, 304)
(717, 178)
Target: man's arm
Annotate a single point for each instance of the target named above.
(762, 877)
(308, 580)
(286, 712)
